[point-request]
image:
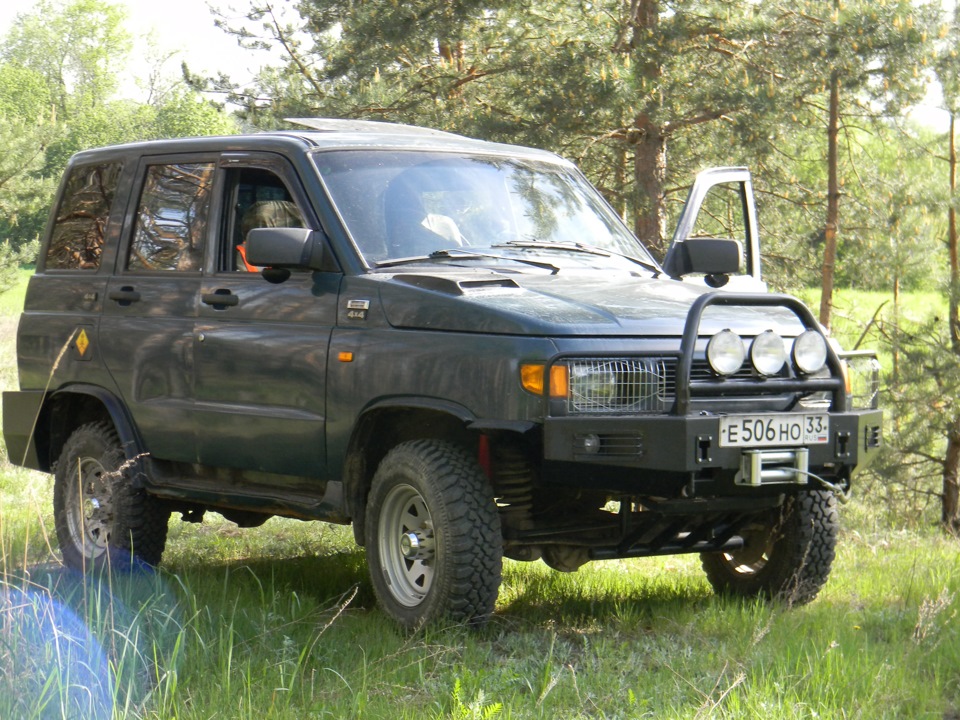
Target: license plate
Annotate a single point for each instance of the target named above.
(773, 430)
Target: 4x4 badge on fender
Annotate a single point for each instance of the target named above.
(357, 309)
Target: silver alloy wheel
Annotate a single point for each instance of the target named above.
(755, 553)
(407, 545)
(787, 552)
(90, 507)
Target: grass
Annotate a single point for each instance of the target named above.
(11, 301)
(280, 622)
(854, 309)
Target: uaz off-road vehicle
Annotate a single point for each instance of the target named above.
(454, 345)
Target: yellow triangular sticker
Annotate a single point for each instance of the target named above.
(82, 342)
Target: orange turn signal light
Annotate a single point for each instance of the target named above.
(847, 380)
(533, 378)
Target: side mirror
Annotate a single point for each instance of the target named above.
(711, 256)
(293, 248)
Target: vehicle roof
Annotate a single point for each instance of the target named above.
(324, 134)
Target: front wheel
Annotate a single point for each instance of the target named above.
(434, 547)
(787, 554)
(100, 518)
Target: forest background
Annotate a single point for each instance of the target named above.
(853, 191)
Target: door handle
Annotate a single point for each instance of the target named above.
(220, 299)
(125, 295)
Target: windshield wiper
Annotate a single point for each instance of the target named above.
(460, 254)
(435, 255)
(581, 247)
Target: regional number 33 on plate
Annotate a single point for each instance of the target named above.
(773, 430)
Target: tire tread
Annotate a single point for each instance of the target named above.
(474, 543)
(804, 547)
(140, 533)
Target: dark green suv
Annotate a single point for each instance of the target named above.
(454, 345)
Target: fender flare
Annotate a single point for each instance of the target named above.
(130, 439)
(356, 475)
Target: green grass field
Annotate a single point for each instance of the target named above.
(11, 301)
(280, 622)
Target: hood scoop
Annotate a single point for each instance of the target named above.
(458, 285)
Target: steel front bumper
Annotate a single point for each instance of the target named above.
(691, 444)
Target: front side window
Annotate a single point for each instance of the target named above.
(259, 199)
(172, 218)
(79, 229)
(722, 214)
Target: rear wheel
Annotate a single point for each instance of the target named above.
(787, 554)
(100, 518)
(434, 547)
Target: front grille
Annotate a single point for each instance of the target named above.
(700, 371)
(622, 385)
(625, 385)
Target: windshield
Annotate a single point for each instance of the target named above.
(403, 204)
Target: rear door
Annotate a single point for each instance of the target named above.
(261, 347)
(147, 327)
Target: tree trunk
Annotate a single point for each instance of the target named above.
(650, 143)
(833, 203)
(950, 515)
(952, 245)
(895, 382)
(650, 175)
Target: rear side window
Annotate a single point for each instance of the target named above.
(81, 220)
(172, 218)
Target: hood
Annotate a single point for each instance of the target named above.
(565, 304)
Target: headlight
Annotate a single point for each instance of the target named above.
(767, 353)
(863, 378)
(595, 385)
(810, 352)
(725, 352)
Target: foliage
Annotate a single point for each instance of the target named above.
(75, 46)
(920, 384)
(11, 259)
(24, 190)
(184, 113)
(591, 81)
(922, 388)
(181, 114)
(24, 94)
(893, 226)
(57, 82)
(613, 84)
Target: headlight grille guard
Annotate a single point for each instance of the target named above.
(687, 388)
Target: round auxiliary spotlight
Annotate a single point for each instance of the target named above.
(725, 353)
(810, 352)
(767, 353)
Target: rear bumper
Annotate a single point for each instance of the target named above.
(21, 410)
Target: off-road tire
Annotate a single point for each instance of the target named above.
(101, 520)
(433, 495)
(787, 553)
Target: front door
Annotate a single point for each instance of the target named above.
(721, 205)
(261, 348)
